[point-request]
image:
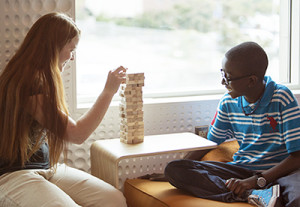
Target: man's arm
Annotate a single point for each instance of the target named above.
(288, 165)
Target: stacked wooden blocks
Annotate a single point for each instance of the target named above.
(131, 109)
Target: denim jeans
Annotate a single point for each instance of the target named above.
(206, 179)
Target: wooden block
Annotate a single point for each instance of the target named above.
(126, 128)
(134, 95)
(132, 76)
(137, 140)
(129, 89)
(131, 123)
(135, 113)
(137, 83)
(126, 141)
(132, 99)
(134, 133)
(129, 94)
(133, 116)
(133, 120)
(132, 139)
(132, 105)
(125, 107)
(135, 78)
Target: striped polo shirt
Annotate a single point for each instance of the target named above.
(267, 136)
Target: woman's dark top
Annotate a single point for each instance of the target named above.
(39, 160)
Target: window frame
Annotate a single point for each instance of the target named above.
(293, 67)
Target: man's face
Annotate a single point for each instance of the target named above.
(235, 80)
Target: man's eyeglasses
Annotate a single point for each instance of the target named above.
(228, 80)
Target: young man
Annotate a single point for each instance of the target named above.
(264, 117)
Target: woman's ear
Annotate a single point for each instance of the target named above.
(253, 81)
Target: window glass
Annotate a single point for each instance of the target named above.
(178, 44)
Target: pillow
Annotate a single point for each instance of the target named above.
(223, 153)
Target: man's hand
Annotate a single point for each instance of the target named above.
(238, 186)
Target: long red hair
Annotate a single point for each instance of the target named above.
(34, 70)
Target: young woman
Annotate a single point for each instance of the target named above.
(35, 125)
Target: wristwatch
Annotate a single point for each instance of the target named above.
(261, 181)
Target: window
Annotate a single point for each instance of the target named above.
(179, 44)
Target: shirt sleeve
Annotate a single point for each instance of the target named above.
(220, 128)
(290, 120)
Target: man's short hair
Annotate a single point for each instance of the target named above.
(250, 57)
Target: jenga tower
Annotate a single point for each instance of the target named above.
(131, 109)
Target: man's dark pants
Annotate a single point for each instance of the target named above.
(206, 179)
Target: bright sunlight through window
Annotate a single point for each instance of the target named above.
(178, 44)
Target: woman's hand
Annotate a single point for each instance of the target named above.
(114, 79)
(238, 186)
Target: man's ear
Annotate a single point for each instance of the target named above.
(253, 81)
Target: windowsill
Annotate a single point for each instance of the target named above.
(182, 99)
(164, 100)
(296, 94)
(152, 101)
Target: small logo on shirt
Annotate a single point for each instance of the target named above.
(273, 123)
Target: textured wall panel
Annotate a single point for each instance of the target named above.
(17, 16)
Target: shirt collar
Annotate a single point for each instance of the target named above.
(267, 95)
